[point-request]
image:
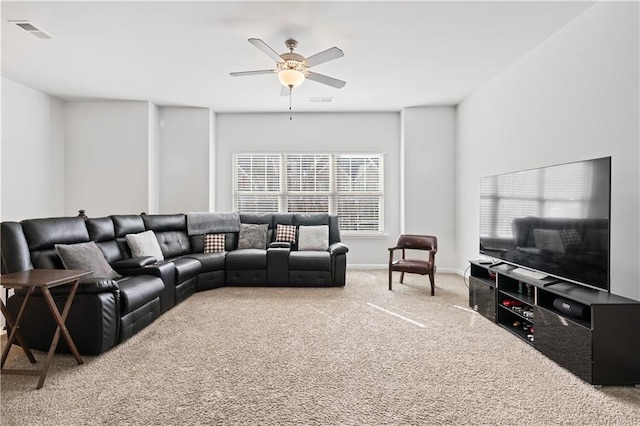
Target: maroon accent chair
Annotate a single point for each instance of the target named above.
(423, 265)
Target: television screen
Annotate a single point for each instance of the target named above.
(554, 220)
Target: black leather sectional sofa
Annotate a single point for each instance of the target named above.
(107, 311)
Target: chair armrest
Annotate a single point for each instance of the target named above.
(393, 248)
(280, 244)
(134, 262)
(338, 248)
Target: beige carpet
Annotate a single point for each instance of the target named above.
(358, 355)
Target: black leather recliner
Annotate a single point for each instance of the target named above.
(112, 310)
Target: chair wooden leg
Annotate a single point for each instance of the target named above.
(402, 277)
(433, 284)
(390, 278)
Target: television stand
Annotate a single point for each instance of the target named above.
(592, 333)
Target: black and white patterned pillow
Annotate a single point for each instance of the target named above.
(214, 243)
(570, 239)
(285, 233)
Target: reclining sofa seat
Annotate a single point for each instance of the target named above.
(106, 312)
(281, 264)
(171, 233)
(249, 266)
(311, 268)
(122, 261)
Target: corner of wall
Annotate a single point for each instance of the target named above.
(154, 159)
(212, 161)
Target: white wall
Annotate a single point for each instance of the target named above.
(153, 124)
(184, 159)
(32, 153)
(574, 97)
(32, 156)
(107, 157)
(318, 132)
(428, 177)
(212, 162)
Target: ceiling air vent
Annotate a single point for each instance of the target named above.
(321, 100)
(32, 29)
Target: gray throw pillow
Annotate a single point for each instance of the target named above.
(252, 236)
(313, 238)
(144, 244)
(86, 256)
(548, 239)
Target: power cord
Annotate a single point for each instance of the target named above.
(464, 276)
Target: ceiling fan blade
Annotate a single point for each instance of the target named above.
(241, 73)
(264, 47)
(325, 56)
(329, 81)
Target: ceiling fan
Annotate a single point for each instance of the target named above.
(292, 68)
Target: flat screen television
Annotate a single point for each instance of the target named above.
(553, 220)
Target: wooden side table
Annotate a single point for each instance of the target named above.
(42, 279)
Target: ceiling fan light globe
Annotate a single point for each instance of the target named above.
(291, 78)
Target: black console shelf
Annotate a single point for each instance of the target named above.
(482, 291)
(592, 333)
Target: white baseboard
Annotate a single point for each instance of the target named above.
(386, 266)
(366, 266)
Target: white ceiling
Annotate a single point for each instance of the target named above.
(397, 54)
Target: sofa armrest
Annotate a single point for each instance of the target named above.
(166, 271)
(280, 244)
(134, 262)
(86, 286)
(278, 265)
(338, 248)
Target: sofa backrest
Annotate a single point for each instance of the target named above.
(230, 242)
(314, 219)
(14, 250)
(42, 235)
(260, 219)
(171, 232)
(124, 224)
(297, 219)
(31, 243)
(102, 232)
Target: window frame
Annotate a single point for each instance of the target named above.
(333, 194)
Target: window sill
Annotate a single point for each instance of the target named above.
(364, 235)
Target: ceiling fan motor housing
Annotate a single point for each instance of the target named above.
(292, 61)
(291, 44)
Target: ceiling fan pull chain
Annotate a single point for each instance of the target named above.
(290, 95)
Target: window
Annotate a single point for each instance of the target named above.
(348, 185)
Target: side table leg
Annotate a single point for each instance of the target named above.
(65, 311)
(10, 326)
(61, 329)
(15, 330)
